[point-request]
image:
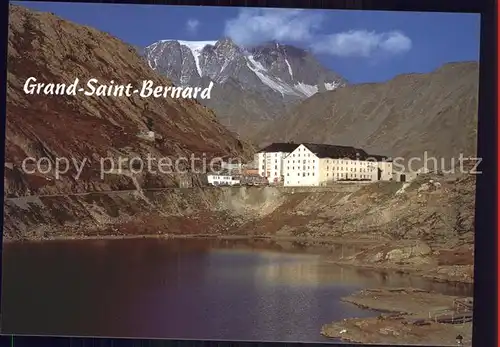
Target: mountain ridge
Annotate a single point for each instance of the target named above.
(406, 116)
(262, 52)
(264, 80)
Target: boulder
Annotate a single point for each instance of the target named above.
(424, 187)
(377, 257)
(417, 249)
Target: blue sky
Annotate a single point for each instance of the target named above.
(359, 45)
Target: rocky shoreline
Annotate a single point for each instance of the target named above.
(82, 237)
(408, 316)
(418, 257)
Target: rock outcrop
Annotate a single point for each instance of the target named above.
(85, 129)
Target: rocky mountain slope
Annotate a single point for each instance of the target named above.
(436, 210)
(90, 127)
(406, 116)
(252, 84)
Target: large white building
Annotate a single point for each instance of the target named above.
(317, 164)
(270, 160)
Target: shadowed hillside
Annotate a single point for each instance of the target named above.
(406, 116)
(90, 127)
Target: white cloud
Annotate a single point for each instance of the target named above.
(253, 26)
(363, 43)
(192, 25)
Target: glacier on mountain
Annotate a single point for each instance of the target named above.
(225, 60)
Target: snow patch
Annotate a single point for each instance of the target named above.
(273, 83)
(306, 89)
(289, 68)
(332, 86)
(196, 48)
(223, 67)
(151, 56)
(257, 66)
(152, 46)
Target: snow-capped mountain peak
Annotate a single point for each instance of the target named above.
(157, 49)
(196, 48)
(272, 67)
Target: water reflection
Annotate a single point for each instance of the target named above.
(194, 289)
(305, 272)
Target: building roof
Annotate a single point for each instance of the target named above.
(325, 151)
(341, 152)
(335, 151)
(286, 147)
(377, 157)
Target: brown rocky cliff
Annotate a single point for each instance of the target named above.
(440, 213)
(51, 49)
